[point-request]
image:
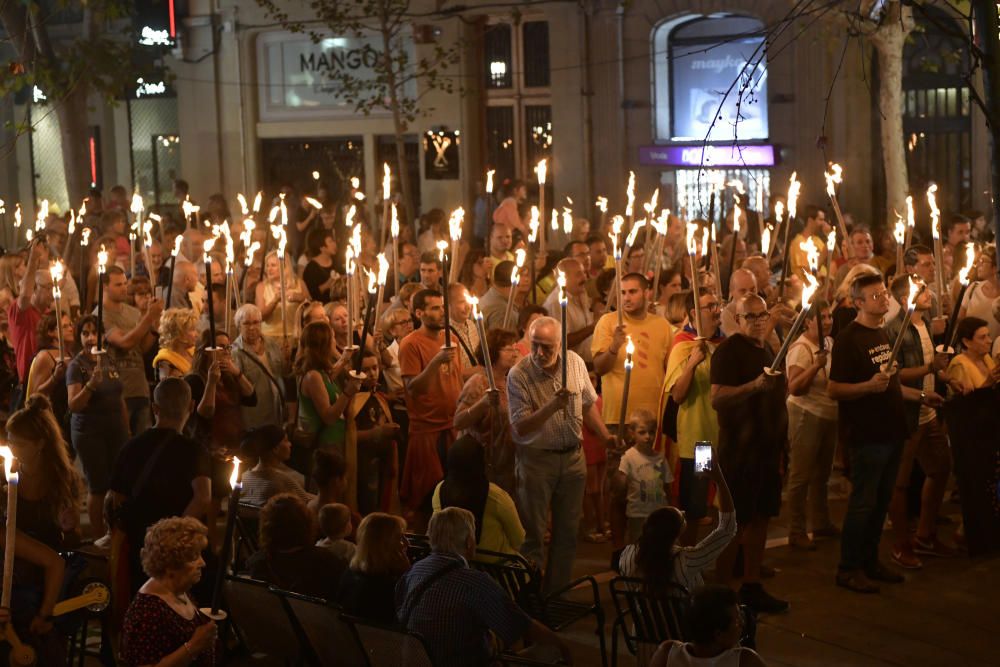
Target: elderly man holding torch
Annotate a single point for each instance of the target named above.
(753, 428)
(547, 426)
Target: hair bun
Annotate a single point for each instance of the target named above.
(38, 402)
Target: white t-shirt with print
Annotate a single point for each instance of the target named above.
(647, 478)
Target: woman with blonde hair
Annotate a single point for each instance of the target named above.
(178, 336)
(367, 589)
(163, 626)
(268, 296)
(48, 486)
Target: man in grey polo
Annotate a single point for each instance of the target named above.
(547, 420)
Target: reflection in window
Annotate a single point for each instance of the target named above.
(538, 121)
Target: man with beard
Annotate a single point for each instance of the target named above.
(432, 375)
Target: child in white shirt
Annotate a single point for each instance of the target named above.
(643, 474)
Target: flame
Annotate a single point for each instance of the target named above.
(808, 289)
(349, 260)
(515, 276)
(760, 199)
(705, 236)
(243, 204)
(899, 231)
(383, 268)
(812, 253)
(630, 192)
(779, 210)
(793, 195)
(910, 222)
(629, 351)
(235, 475)
(561, 282)
(355, 182)
(102, 260)
(349, 218)
(442, 246)
(602, 204)
(533, 225)
(394, 224)
(541, 169)
(661, 224)
(489, 180)
(616, 229)
(85, 237)
(43, 213)
(273, 215)
(147, 233)
(315, 175)
(935, 211)
(915, 289)
(738, 184)
(189, 208)
(765, 239)
(519, 255)
(474, 302)
(692, 243)
(72, 219)
(83, 208)
(372, 281)
(136, 206)
(256, 202)
(630, 240)
(312, 201)
(207, 245)
(970, 257)
(56, 270)
(251, 249)
(555, 220)
(359, 195)
(17, 215)
(831, 240)
(834, 176)
(386, 181)
(177, 245)
(736, 214)
(650, 206)
(567, 216)
(455, 224)
(8, 463)
(356, 240)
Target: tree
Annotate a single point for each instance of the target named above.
(395, 69)
(70, 71)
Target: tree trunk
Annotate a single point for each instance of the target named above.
(71, 110)
(988, 26)
(889, 41)
(398, 124)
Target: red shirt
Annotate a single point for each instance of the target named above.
(433, 409)
(21, 329)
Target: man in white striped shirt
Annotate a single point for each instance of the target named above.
(547, 420)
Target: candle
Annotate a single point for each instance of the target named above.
(383, 274)
(234, 501)
(899, 233)
(963, 279)
(736, 240)
(349, 273)
(84, 244)
(812, 259)
(833, 177)
(533, 226)
(911, 304)
(455, 232)
(207, 245)
(56, 271)
(616, 229)
(515, 280)
(660, 226)
(807, 292)
(938, 248)
(395, 250)
(793, 197)
(8, 556)
(623, 415)
(386, 194)
(779, 212)
(366, 323)
(442, 247)
(602, 206)
(692, 248)
(102, 267)
(477, 315)
(910, 222)
(541, 170)
(563, 304)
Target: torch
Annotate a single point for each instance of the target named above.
(563, 303)
(630, 199)
(136, 207)
(629, 351)
(963, 279)
(477, 315)
(515, 280)
(455, 232)
(692, 248)
(736, 240)
(812, 259)
(395, 251)
(84, 244)
(616, 230)
(532, 238)
(349, 273)
(910, 222)
(899, 233)
(173, 265)
(234, 506)
(660, 226)
(650, 208)
(56, 271)
(808, 289)
(315, 176)
(831, 243)
(602, 206)
(911, 304)
(386, 194)
(833, 177)
(938, 249)
(353, 284)
(102, 267)
(365, 325)
(282, 236)
(207, 247)
(8, 555)
(271, 217)
(793, 197)
(489, 208)
(383, 273)
(442, 247)
(779, 212)
(541, 170)
(765, 238)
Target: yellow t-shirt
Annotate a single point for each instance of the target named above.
(502, 530)
(652, 337)
(696, 418)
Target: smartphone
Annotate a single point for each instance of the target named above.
(702, 456)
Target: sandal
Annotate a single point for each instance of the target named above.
(856, 581)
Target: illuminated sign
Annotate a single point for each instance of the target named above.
(441, 154)
(757, 155)
(149, 88)
(155, 21)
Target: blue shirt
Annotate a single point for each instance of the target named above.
(458, 612)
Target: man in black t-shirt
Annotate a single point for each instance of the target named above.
(873, 424)
(160, 473)
(753, 428)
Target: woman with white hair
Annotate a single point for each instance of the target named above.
(265, 365)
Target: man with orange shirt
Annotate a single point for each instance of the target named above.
(432, 375)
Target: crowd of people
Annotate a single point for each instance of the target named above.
(355, 424)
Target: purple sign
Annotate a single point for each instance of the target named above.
(756, 155)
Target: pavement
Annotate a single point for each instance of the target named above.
(944, 614)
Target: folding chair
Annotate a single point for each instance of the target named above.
(331, 638)
(390, 647)
(264, 624)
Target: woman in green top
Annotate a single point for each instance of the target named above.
(325, 388)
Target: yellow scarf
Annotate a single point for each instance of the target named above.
(181, 363)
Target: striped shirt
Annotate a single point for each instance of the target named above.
(530, 387)
(689, 562)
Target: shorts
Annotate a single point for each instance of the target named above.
(929, 446)
(692, 494)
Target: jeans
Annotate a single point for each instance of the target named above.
(873, 477)
(813, 440)
(140, 415)
(550, 481)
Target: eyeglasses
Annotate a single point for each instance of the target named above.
(884, 294)
(758, 317)
(711, 306)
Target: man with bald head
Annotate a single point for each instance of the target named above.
(185, 284)
(579, 309)
(741, 284)
(753, 428)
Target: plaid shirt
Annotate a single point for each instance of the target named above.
(530, 387)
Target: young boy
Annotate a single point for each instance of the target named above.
(335, 523)
(643, 475)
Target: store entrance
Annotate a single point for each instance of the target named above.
(293, 161)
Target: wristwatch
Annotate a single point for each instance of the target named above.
(923, 397)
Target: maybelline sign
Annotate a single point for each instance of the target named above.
(296, 73)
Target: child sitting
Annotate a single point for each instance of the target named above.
(335, 523)
(643, 475)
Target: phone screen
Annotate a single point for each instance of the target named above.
(702, 457)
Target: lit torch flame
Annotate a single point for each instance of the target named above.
(808, 289)
(899, 231)
(629, 351)
(765, 239)
(541, 169)
(812, 253)
(383, 268)
(793, 195)
(455, 224)
(394, 224)
(386, 181)
(935, 211)
(177, 245)
(561, 281)
(8, 463)
(489, 180)
(692, 241)
(235, 475)
(630, 192)
(970, 257)
(602, 204)
(833, 177)
(533, 225)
